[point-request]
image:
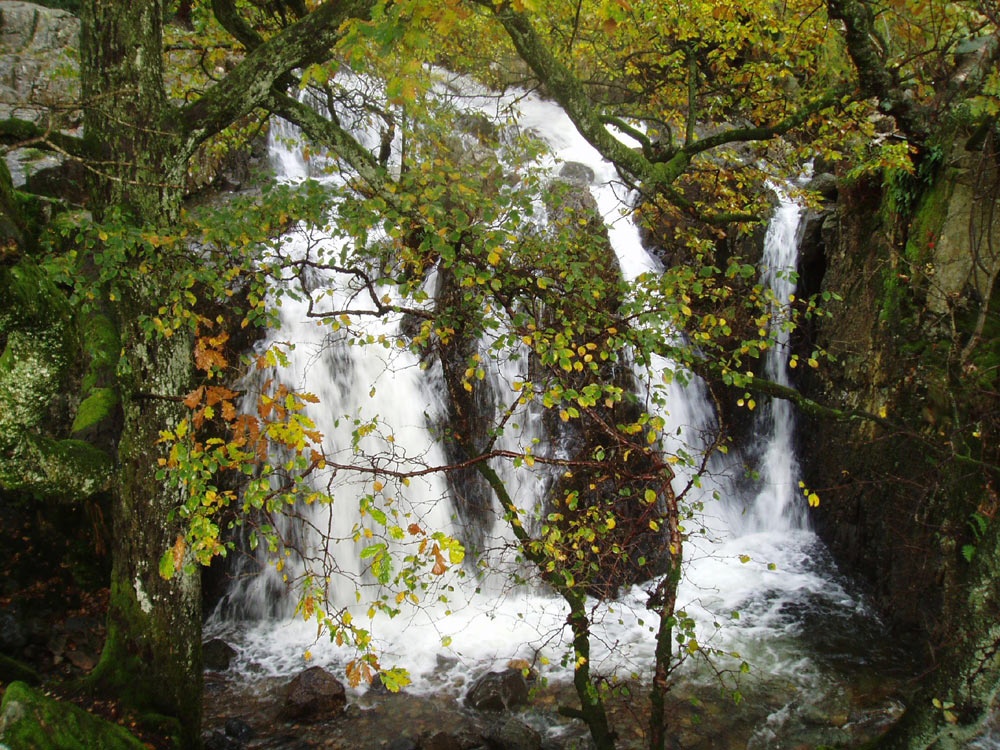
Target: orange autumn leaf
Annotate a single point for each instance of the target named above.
(194, 397)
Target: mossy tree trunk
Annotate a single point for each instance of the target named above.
(139, 144)
(153, 652)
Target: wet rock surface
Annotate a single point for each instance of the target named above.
(217, 655)
(773, 713)
(498, 691)
(514, 734)
(313, 695)
(37, 66)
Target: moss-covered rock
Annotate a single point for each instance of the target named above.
(39, 376)
(30, 719)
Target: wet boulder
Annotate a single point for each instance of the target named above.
(239, 730)
(515, 735)
(498, 691)
(313, 695)
(440, 741)
(576, 173)
(37, 61)
(217, 655)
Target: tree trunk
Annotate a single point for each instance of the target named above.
(152, 657)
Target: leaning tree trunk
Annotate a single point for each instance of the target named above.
(152, 656)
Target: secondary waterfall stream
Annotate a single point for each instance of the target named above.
(757, 582)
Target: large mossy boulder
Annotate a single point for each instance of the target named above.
(39, 350)
(31, 719)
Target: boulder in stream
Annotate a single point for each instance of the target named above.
(217, 655)
(313, 695)
(498, 691)
(515, 735)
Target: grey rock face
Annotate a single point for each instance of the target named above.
(38, 67)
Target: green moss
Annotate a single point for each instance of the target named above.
(928, 220)
(920, 203)
(103, 346)
(31, 300)
(30, 719)
(95, 408)
(124, 672)
(66, 470)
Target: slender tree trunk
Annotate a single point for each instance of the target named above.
(592, 709)
(152, 656)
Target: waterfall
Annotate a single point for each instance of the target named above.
(779, 504)
(755, 563)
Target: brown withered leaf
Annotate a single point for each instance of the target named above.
(192, 400)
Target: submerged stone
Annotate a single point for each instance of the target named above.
(515, 735)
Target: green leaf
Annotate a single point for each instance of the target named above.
(167, 565)
(395, 679)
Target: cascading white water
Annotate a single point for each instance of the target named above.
(755, 563)
(778, 506)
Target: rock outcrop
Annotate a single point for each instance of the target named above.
(38, 67)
